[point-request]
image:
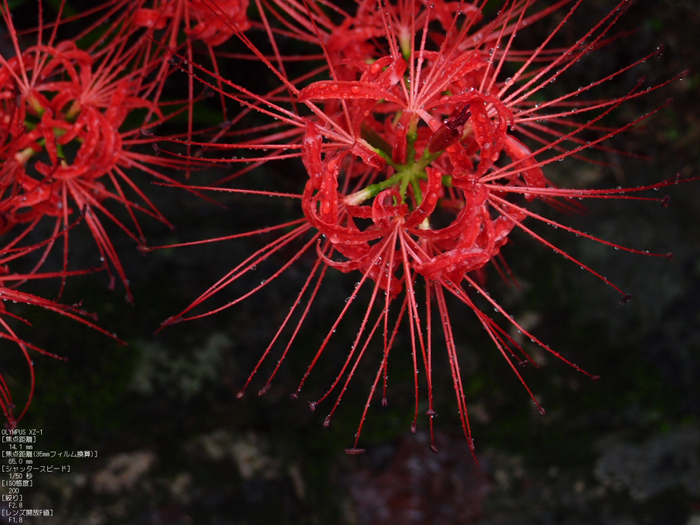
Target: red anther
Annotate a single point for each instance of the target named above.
(450, 131)
(458, 118)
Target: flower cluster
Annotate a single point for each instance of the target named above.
(423, 129)
(74, 123)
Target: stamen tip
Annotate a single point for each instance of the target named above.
(264, 389)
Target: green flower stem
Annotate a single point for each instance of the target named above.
(406, 174)
(27, 153)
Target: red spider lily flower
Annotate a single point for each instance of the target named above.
(165, 22)
(65, 112)
(10, 280)
(422, 148)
